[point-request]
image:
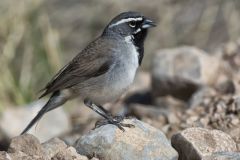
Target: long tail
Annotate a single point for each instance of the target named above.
(55, 101)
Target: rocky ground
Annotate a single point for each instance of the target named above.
(187, 107)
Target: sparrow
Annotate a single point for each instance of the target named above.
(102, 71)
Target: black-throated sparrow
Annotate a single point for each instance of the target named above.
(104, 70)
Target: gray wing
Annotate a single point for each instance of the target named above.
(91, 62)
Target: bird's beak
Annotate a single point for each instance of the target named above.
(147, 23)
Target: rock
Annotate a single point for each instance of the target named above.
(201, 96)
(214, 111)
(153, 112)
(51, 124)
(196, 143)
(56, 149)
(223, 156)
(181, 71)
(231, 54)
(53, 146)
(69, 154)
(26, 146)
(22, 156)
(4, 156)
(226, 87)
(141, 142)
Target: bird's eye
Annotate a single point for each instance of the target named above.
(132, 24)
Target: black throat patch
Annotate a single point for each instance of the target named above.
(138, 41)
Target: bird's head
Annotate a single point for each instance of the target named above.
(130, 25)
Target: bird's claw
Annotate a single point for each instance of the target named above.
(115, 121)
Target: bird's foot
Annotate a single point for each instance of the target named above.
(116, 120)
(109, 119)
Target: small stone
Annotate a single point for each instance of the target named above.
(201, 96)
(226, 87)
(173, 119)
(53, 146)
(192, 120)
(230, 48)
(141, 142)
(235, 121)
(69, 154)
(196, 143)
(204, 121)
(4, 156)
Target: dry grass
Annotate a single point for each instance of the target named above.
(29, 51)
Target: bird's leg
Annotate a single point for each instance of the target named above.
(104, 110)
(99, 110)
(109, 119)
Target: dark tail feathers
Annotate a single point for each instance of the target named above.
(55, 101)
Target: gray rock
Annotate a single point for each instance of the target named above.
(223, 156)
(181, 71)
(142, 142)
(52, 124)
(196, 143)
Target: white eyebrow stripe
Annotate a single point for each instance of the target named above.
(126, 20)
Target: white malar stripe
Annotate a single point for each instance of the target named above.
(126, 20)
(138, 30)
(129, 39)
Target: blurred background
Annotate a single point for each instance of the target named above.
(37, 37)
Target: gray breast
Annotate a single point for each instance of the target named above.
(123, 72)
